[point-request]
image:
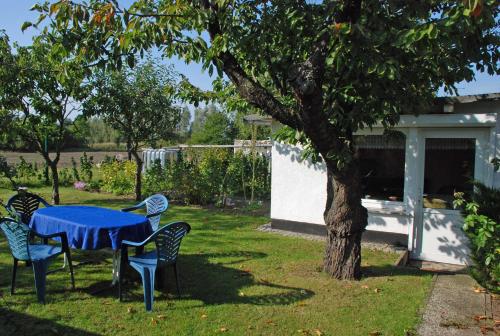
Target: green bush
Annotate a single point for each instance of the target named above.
(118, 177)
(482, 227)
(8, 171)
(208, 176)
(155, 179)
(74, 170)
(86, 164)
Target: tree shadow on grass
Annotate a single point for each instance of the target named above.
(15, 323)
(214, 278)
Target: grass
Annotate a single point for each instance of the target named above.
(235, 281)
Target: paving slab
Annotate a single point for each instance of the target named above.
(458, 307)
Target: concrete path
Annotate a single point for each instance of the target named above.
(455, 308)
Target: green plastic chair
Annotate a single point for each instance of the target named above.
(25, 204)
(40, 255)
(168, 241)
(155, 205)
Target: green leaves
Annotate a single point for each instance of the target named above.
(482, 227)
(26, 25)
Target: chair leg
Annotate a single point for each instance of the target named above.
(67, 258)
(176, 272)
(14, 272)
(121, 274)
(40, 272)
(148, 283)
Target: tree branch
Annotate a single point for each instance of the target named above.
(249, 89)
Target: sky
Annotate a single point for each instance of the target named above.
(15, 12)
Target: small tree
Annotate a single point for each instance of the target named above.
(40, 89)
(216, 128)
(139, 104)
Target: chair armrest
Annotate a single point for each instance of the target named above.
(126, 243)
(155, 214)
(44, 202)
(52, 235)
(62, 235)
(135, 207)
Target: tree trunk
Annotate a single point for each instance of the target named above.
(138, 176)
(346, 219)
(55, 183)
(129, 150)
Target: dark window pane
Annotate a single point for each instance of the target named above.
(382, 162)
(449, 167)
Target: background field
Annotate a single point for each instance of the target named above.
(13, 157)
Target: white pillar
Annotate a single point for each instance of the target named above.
(414, 165)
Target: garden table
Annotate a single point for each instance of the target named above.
(92, 228)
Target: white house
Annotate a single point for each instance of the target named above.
(409, 177)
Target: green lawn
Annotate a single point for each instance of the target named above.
(235, 281)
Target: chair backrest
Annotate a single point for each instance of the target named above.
(25, 204)
(17, 234)
(168, 241)
(156, 204)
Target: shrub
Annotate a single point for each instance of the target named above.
(208, 176)
(86, 164)
(482, 227)
(8, 171)
(74, 170)
(155, 179)
(65, 177)
(118, 177)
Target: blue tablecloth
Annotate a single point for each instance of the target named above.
(91, 228)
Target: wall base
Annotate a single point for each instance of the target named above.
(390, 238)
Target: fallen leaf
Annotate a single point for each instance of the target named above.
(375, 333)
(301, 304)
(318, 332)
(223, 329)
(377, 290)
(130, 310)
(485, 330)
(204, 316)
(153, 321)
(480, 317)
(269, 322)
(365, 287)
(479, 290)
(161, 317)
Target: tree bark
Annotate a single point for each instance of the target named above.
(55, 183)
(138, 176)
(346, 219)
(129, 150)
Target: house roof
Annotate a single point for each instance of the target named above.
(441, 105)
(470, 98)
(257, 119)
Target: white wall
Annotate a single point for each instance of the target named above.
(298, 193)
(298, 189)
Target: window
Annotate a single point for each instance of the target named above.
(382, 163)
(449, 168)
